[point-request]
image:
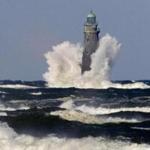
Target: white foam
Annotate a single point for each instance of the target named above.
(3, 114)
(73, 115)
(140, 128)
(16, 86)
(8, 108)
(101, 110)
(4, 108)
(9, 139)
(68, 104)
(1, 92)
(135, 85)
(36, 93)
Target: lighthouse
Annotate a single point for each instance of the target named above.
(91, 40)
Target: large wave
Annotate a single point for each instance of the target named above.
(9, 139)
(64, 66)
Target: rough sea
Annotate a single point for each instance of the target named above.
(74, 111)
(35, 117)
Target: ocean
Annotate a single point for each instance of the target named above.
(34, 116)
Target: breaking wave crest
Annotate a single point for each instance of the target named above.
(73, 115)
(11, 140)
(64, 66)
(101, 110)
(16, 86)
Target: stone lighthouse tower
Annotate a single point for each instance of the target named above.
(91, 40)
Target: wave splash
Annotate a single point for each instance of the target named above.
(64, 66)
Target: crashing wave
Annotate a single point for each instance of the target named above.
(64, 66)
(9, 139)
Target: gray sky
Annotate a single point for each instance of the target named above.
(28, 29)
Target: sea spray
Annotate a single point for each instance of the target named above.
(65, 60)
(65, 64)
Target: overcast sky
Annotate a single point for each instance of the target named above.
(28, 29)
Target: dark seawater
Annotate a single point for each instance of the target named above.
(35, 117)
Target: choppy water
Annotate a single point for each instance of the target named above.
(35, 117)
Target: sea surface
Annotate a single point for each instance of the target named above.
(35, 117)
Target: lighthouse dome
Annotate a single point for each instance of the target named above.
(91, 18)
(91, 15)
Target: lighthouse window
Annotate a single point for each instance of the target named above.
(91, 20)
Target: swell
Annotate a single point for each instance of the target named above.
(41, 125)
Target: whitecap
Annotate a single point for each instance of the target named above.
(16, 86)
(9, 139)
